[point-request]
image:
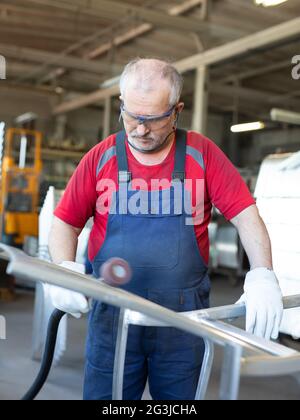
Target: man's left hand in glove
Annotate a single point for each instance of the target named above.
(263, 300)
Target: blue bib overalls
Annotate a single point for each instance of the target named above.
(168, 269)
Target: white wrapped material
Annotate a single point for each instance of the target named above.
(293, 162)
(278, 200)
(282, 210)
(43, 305)
(290, 323)
(83, 239)
(291, 317)
(284, 237)
(276, 181)
(286, 264)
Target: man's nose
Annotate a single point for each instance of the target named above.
(142, 130)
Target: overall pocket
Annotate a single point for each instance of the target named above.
(101, 335)
(151, 241)
(183, 300)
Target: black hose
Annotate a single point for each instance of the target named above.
(47, 359)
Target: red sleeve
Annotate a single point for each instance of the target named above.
(78, 201)
(226, 188)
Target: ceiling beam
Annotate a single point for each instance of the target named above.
(253, 95)
(158, 17)
(39, 56)
(119, 40)
(206, 9)
(27, 31)
(15, 69)
(259, 71)
(250, 43)
(111, 10)
(126, 37)
(140, 29)
(250, 8)
(157, 48)
(286, 96)
(76, 26)
(48, 14)
(27, 89)
(85, 100)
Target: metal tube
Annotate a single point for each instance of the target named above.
(261, 345)
(205, 370)
(120, 353)
(29, 268)
(203, 323)
(230, 377)
(267, 366)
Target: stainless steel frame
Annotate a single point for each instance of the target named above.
(244, 354)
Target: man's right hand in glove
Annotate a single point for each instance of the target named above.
(73, 303)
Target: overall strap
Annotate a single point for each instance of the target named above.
(180, 154)
(123, 174)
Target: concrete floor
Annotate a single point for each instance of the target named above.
(17, 370)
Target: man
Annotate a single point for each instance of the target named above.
(114, 183)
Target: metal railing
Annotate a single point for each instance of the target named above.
(244, 354)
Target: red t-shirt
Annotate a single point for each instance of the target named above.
(223, 186)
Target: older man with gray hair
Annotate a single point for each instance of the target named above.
(143, 186)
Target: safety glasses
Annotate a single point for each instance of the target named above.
(153, 122)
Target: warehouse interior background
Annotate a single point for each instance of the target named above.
(59, 71)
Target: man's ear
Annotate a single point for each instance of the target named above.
(180, 107)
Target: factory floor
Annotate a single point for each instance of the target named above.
(65, 381)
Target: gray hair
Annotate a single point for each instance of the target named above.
(146, 71)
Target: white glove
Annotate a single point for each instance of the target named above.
(263, 300)
(66, 300)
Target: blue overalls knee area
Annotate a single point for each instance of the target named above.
(168, 269)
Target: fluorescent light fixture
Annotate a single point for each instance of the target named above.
(239, 128)
(268, 3)
(283, 115)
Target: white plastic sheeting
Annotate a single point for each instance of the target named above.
(43, 305)
(278, 200)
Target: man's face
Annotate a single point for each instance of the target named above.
(150, 135)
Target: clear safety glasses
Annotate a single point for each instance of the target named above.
(153, 122)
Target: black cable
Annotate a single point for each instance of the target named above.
(47, 359)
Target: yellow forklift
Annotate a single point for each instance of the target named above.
(19, 187)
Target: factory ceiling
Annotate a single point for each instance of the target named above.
(74, 46)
